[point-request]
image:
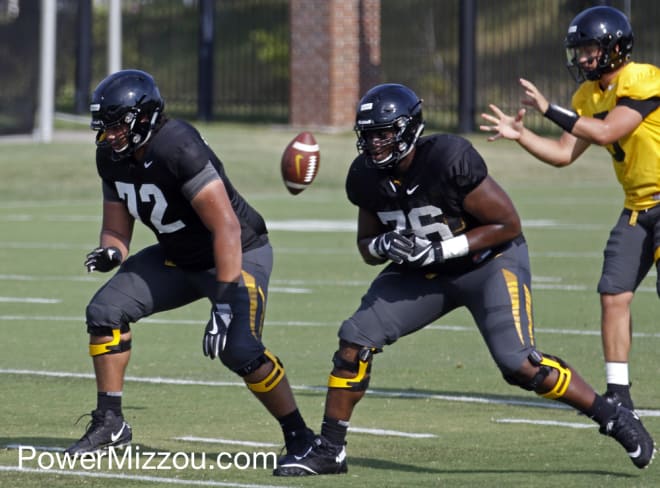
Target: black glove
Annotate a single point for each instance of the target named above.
(103, 259)
(393, 245)
(425, 252)
(215, 335)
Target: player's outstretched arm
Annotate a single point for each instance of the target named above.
(556, 152)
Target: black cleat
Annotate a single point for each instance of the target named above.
(320, 457)
(616, 398)
(103, 431)
(297, 442)
(628, 430)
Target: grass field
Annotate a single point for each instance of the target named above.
(439, 413)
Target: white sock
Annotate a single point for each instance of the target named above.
(617, 373)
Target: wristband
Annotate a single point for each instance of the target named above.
(224, 291)
(372, 248)
(455, 247)
(565, 119)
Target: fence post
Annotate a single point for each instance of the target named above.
(467, 66)
(205, 60)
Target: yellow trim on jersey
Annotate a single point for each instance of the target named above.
(564, 379)
(635, 157)
(656, 254)
(106, 347)
(512, 285)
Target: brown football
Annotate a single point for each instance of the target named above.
(300, 162)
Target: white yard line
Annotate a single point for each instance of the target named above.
(231, 442)
(375, 392)
(28, 300)
(132, 477)
(553, 423)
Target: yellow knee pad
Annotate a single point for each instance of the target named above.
(113, 346)
(563, 380)
(360, 382)
(272, 379)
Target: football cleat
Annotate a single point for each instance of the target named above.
(297, 442)
(106, 429)
(320, 457)
(618, 399)
(626, 427)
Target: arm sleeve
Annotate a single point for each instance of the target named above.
(644, 107)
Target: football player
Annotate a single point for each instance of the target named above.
(210, 244)
(450, 237)
(615, 106)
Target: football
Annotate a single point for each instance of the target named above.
(300, 162)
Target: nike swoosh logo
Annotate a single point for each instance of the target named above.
(300, 458)
(214, 330)
(114, 437)
(636, 453)
(148, 163)
(410, 191)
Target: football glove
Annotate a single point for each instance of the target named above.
(103, 259)
(217, 328)
(393, 245)
(215, 335)
(425, 252)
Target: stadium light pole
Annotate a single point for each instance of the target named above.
(47, 71)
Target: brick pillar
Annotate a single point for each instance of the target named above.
(335, 50)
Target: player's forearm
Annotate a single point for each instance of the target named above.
(109, 238)
(549, 151)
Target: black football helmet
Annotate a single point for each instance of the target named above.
(605, 27)
(128, 97)
(388, 107)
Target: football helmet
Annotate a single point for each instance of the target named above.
(388, 123)
(606, 28)
(128, 97)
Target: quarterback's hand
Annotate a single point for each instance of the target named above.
(103, 259)
(424, 253)
(535, 98)
(215, 335)
(506, 126)
(393, 245)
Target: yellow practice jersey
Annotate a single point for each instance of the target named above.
(636, 157)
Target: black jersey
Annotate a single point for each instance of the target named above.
(428, 198)
(157, 191)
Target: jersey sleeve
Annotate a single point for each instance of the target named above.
(191, 187)
(468, 171)
(639, 82)
(110, 192)
(356, 187)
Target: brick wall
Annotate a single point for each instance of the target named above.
(335, 55)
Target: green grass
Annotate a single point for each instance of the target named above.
(49, 216)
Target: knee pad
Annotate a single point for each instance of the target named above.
(271, 380)
(546, 364)
(113, 346)
(361, 367)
